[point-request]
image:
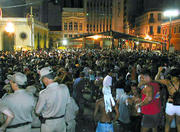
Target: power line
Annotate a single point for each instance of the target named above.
(22, 5)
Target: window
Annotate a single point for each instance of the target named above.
(70, 35)
(90, 27)
(100, 28)
(65, 26)
(80, 26)
(97, 28)
(87, 27)
(75, 26)
(94, 28)
(151, 30)
(76, 36)
(174, 29)
(159, 29)
(65, 36)
(159, 16)
(107, 28)
(103, 27)
(70, 26)
(151, 16)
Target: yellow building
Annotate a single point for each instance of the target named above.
(73, 22)
(22, 33)
(149, 24)
(175, 33)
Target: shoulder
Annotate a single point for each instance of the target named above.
(42, 92)
(99, 101)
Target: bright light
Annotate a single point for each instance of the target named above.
(148, 37)
(65, 42)
(10, 27)
(171, 13)
(137, 42)
(96, 37)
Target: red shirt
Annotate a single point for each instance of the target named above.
(155, 106)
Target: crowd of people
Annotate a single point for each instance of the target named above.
(133, 91)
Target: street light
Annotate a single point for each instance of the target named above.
(64, 42)
(10, 27)
(170, 14)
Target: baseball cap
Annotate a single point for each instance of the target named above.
(18, 78)
(45, 71)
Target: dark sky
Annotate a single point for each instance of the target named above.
(14, 12)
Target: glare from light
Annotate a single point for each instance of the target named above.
(96, 37)
(137, 42)
(148, 37)
(171, 13)
(10, 27)
(65, 42)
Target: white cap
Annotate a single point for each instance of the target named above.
(18, 78)
(45, 71)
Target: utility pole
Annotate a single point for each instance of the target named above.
(32, 27)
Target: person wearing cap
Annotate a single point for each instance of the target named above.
(173, 85)
(52, 103)
(5, 111)
(21, 104)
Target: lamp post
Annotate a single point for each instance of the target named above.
(171, 13)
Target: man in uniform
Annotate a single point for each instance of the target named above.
(52, 103)
(21, 104)
(9, 115)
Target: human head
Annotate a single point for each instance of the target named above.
(134, 88)
(17, 81)
(146, 76)
(175, 74)
(46, 75)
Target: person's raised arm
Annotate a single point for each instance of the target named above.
(159, 73)
(148, 91)
(157, 77)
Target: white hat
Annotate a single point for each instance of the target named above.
(45, 71)
(18, 78)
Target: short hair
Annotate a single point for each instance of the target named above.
(81, 74)
(134, 84)
(146, 72)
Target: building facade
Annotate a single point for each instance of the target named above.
(73, 22)
(104, 15)
(149, 24)
(175, 33)
(22, 33)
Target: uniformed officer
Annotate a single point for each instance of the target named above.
(9, 115)
(20, 103)
(52, 103)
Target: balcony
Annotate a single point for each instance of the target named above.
(151, 20)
